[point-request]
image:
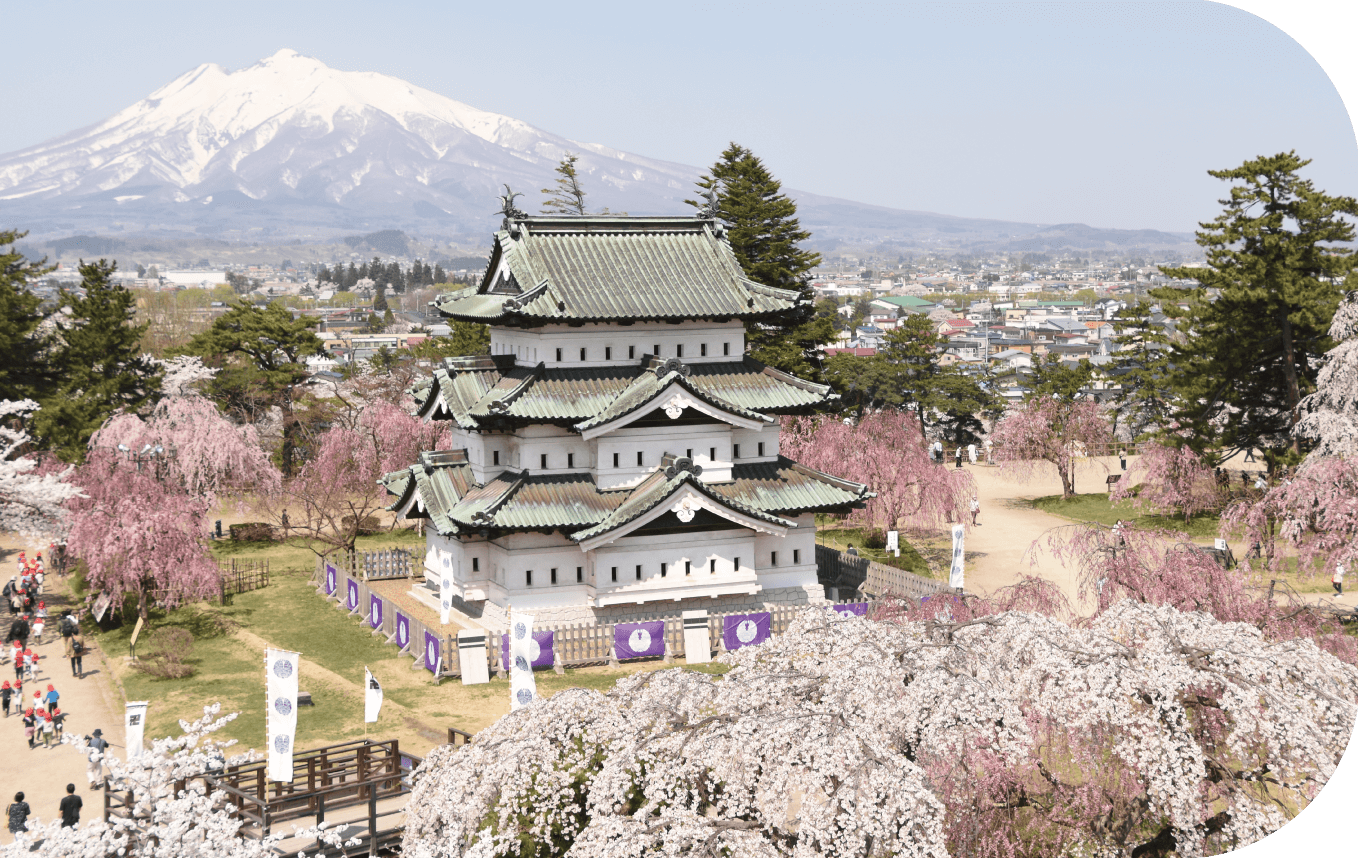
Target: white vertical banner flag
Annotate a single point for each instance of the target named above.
(134, 726)
(280, 684)
(955, 574)
(522, 687)
(372, 699)
(445, 597)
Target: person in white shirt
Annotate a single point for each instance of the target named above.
(1337, 579)
(975, 510)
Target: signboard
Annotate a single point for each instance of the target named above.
(402, 630)
(351, 601)
(433, 652)
(742, 630)
(639, 640)
(541, 648)
(101, 606)
(136, 633)
(1220, 544)
(375, 611)
(956, 573)
(851, 609)
(893, 542)
(331, 579)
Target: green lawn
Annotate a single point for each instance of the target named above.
(284, 556)
(842, 537)
(1096, 507)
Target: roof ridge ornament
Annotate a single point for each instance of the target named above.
(709, 209)
(508, 209)
(681, 465)
(673, 364)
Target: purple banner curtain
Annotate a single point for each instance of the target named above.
(402, 630)
(851, 609)
(352, 600)
(639, 640)
(739, 630)
(375, 611)
(331, 580)
(544, 649)
(432, 648)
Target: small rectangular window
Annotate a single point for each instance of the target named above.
(796, 556)
(579, 574)
(615, 460)
(773, 558)
(495, 457)
(711, 454)
(726, 348)
(712, 566)
(608, 352)
(679, 350)
(553, 574)
(735, 451)
(638, 571)
(615, 573)
(702, 350)
(582, 354)
(664, 568)
(688, 567)
(761, 448)
(638, 458)
(631, 352)
(736, 564)
(558, 354)
(570, 460)
(656, 352)
(543, 459)
(688, 454)
(476, 564)
(529, 576)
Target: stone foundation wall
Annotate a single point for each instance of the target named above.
(495, 617)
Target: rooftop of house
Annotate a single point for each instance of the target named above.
(599, 269)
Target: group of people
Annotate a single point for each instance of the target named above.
(937, 453)
(18, 811)
(43, 719)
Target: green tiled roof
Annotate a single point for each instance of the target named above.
(573, 503)
(654, 490)
(647, 387)
(569, 269)
(488, 392)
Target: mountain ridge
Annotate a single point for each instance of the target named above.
(289, 147)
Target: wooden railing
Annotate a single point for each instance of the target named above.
(243, 576)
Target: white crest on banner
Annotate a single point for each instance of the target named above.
(372, 696)
(746, 631)
(955, 574)
(639, 640)
(135, 727)
(522, 686)
(280, 682)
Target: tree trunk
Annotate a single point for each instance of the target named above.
(289, 442)
(1293, 385)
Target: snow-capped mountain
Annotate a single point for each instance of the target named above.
(291, 147)
(289, 134)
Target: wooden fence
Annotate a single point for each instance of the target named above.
(403, 562)
(585, 644)
(243, 576)
(847, 573)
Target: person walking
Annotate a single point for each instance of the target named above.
(30, 726)
(18, 630)
(75, 651)
(6, 695)
(47, 728)
(30, 664)
(51, 697)
(1337, 579)
(70, 808)
(59, 722)
(97, 746)
(975, 510)
(1122, 458)
(17, 813)
(39, 621)
(959, 456)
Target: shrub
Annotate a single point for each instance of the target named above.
(874, 539)
(165, 653)
(367, 527)
(252, 531)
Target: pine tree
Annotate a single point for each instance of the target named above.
(102, 368)
(380, 298)
(26, 370)
(1140, 366)
(439, 275)
(762, 227)
(1256, 325)
(567, 198)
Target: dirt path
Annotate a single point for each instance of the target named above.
(43, 773)
(1000, 550)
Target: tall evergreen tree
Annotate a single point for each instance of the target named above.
(26, 369)
(567, 197)
(1256, 325)
(261, 352)
(380, 299)
(439, 275)
(1143, 402)
(100, 361)
(762, 227)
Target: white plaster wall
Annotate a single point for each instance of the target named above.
(653, 443)
(725, 342)
(723, 546)
(749, 439)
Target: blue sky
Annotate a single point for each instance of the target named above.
(1104, 113)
